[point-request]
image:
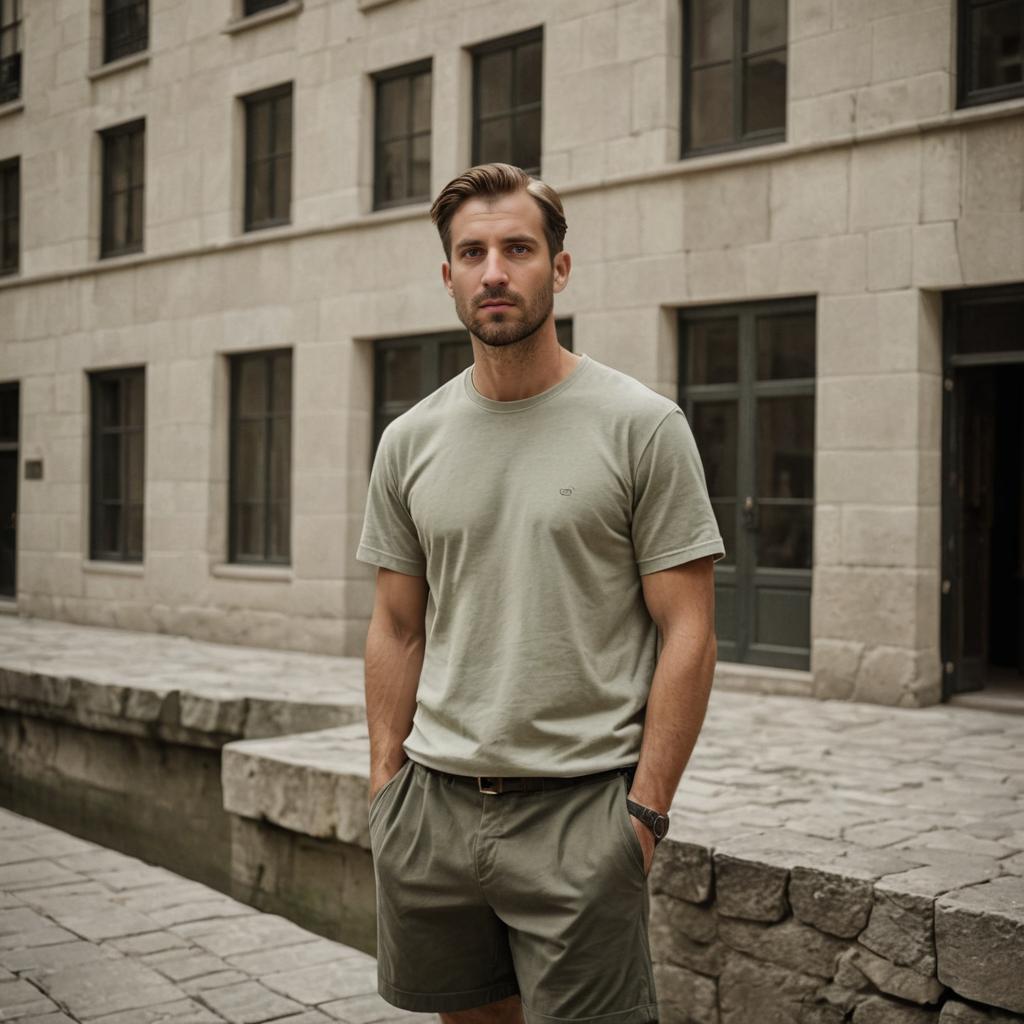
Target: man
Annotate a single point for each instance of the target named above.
(549, 516)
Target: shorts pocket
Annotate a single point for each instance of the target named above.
(626, 821)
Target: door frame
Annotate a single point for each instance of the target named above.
(953, 363)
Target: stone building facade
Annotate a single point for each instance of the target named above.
(804, 221)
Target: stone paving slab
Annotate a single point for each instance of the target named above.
(91, 936)
(177, 688)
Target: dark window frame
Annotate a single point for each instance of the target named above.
(8, 168)
(965, 96)
(121, 429)
(250, 7)
(739, 139)
(430, 368)
(741, 571)
(118, 143)
(408, 72)
(269, 415)
(117, 41)
(512, 42)
(10, 62)
(250, 101)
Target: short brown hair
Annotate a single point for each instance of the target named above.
(493, 180)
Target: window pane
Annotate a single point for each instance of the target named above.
(527, 151)
(11, 176)
(259, 128)
(714, 429)
(421, 102)
(249, 530)
(110, 527)
(495, 82)
(283, 123)
(252, 386)
(119, 173)
(108, 402)
(766, 24)
(110, 467)
(9, 232)
(393, 97)
(280, 458)
(528, 73)
(278, 513)
(711, 28)
(134, 394)
(249, 458)
(785, 447)
(711, 106)
(998, 48)
(135, 202)
(455, 357)
(259, 199)
(136, 474)
(420, 185)
(784, 536)
(712, 348)
(785, 347)
(136, 148)
(496, 141)
(281, 382)
(764, 92)
(133, 525)
(394, 183)
(402, 374)
(282, 188)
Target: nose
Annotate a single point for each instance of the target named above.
(494, 272)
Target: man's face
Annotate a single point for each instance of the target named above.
(501, 274)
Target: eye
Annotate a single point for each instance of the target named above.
(469, 253)
(520, 250)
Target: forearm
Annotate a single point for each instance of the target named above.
(675, 713)
(393, 664)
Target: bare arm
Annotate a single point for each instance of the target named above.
(681, 601)
(395, 644)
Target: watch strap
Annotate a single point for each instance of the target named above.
(657, 823)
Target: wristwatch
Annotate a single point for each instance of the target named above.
(657, 823)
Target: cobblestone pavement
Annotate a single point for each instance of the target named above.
(91, 935)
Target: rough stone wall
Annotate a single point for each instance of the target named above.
(881, 197)
(738, 939)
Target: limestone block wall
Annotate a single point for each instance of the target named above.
(882, 197)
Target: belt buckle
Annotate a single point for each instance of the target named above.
(481, 779)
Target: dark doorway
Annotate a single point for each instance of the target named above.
(8, 488)
(983, 500)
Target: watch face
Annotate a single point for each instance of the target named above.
(660, 826)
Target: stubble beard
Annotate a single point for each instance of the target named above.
(499, 330)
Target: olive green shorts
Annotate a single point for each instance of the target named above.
(481, 896)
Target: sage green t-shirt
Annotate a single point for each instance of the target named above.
(533, 521)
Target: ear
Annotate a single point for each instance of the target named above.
(446, 277)
(561, 268)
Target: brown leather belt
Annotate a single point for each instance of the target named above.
(532, 783)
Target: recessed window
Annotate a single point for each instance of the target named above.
(10, 50)
(507, 92)
(118, 400)
(734, 82)
(125, 28)
(268, 157)
(255, 6)
(402, 136)
(991, 50)
(261, 443)
(10, 215)
(123, 189)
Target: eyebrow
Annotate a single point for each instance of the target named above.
(465, 243)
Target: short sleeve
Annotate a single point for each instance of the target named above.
(389, 538)
(673, 521)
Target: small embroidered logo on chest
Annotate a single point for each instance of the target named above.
(565, 490)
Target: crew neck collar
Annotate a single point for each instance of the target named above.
(519, 404)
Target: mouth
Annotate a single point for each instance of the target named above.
(496, 306)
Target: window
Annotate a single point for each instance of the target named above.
(255, 6)
(734, 83)
(747, 378)
(260, 470)
(9, 419)
(117, 464)
(408, 369)
(10, 50)
(125, 28)
(10, 215)
(268, 157)
(402, 136)
(123, 189)
(507, 90)
(991, 50)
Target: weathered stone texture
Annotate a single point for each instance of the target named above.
(750, 888)
(830, 900)
(686, 996)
